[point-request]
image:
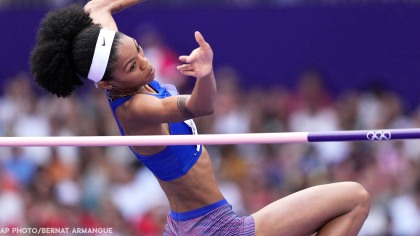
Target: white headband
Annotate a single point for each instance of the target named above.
(101, 55)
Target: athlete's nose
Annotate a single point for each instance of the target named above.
(144, 63)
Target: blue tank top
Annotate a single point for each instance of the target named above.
(174, 161)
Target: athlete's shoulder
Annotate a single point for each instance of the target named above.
(140, 105)
(140, 100)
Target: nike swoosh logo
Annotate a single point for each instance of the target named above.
(104, 42)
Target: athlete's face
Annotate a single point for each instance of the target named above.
(132, 69)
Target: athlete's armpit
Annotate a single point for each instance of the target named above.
(182, 107)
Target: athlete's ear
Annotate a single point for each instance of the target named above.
(105, 85)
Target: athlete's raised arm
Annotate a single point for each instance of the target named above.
(101, 11)
(200, 65)
(177, 108)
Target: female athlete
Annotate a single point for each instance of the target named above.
(74, 43)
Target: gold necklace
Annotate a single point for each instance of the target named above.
(125, 95)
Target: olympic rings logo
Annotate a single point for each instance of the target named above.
(379, 135)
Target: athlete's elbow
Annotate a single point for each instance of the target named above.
(209, 108)
(204, 111)
(209, 111)
(202, 108)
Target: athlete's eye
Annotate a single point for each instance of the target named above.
(133, 66)
(138, 48)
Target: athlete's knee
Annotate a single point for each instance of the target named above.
(361, 197)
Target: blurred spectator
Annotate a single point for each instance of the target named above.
(405, 213)
(25, 118)
(231, 115)
(314, 112)
(12, 206)
(20, 167)
(135, 193)
(57, 171)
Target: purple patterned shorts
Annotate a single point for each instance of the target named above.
(220, 221)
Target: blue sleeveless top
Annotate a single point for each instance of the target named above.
(174, 161)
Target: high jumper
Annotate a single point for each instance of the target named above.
(75, 43)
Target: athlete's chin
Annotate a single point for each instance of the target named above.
(151, 78)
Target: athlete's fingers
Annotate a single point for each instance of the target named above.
(189, 60)
(183, 58)
(188, 72)
(193, 56)
(184, 67)
(200, 40)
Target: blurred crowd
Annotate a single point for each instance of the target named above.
(107, 187)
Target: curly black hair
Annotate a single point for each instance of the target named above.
(64, 50)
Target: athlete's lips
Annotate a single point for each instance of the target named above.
(152, 72)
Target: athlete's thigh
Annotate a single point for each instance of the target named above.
(303, 212)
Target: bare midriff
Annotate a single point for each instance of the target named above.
(196, 189)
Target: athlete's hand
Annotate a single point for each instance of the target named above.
(100, 12)
(98, 5)
(112, 6)
(200, 62)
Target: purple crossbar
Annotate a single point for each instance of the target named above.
(362, 135)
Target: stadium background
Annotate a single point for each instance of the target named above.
(280, 65)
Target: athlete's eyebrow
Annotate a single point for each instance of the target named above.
(128, 63)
